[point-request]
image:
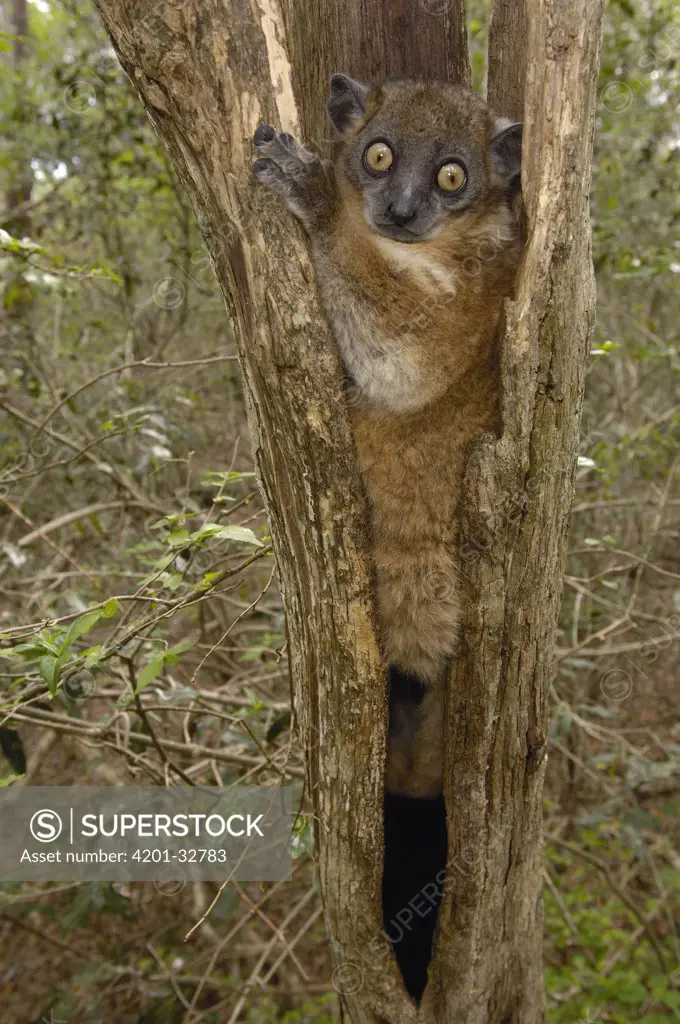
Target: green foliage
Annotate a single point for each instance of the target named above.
(49, 266)
(600, 968)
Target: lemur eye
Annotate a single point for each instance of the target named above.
(451, 177)
(378, 157)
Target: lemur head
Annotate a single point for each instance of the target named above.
(419, 154)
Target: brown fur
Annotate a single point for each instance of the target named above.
(416, 326)
(412, 466)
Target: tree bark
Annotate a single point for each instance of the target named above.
(208, 71)
(516, 511)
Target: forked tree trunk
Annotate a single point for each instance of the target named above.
(208, 71)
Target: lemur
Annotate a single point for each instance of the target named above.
(415, 242)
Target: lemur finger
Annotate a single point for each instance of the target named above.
(283, 150)
(270, 144)
(267, 138)
(293, 146)
(302, 179)
(268, 173)
(263, 133)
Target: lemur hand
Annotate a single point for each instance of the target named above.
(306, 183)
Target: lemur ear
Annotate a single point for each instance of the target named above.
(505, 148)
(346, 103)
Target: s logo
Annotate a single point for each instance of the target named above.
(46, 826)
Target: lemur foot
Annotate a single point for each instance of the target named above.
(306, 183)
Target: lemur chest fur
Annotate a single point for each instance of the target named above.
(382, 370)
(377, 340)
(378, 330)
(436, 280)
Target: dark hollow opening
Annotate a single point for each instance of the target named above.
(415, 864)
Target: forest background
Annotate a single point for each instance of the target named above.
(142, 636)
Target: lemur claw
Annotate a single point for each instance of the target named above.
(299, 176)
(263, 133)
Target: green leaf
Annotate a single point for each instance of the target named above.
(39, 646)
(110, 608)
(9, 779)
(178, 538)
(149, 672)
(631, 992)
(241, 534)
(49, 670)
(183, 645)
(81, 626)
(209, 530)
(93, 655)
(172, 580)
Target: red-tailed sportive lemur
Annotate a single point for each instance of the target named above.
(415, 241)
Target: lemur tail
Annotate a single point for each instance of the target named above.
(415, 855)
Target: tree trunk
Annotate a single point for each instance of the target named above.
(208, 71)
(516, 511)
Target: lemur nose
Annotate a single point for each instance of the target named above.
(400, 213)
